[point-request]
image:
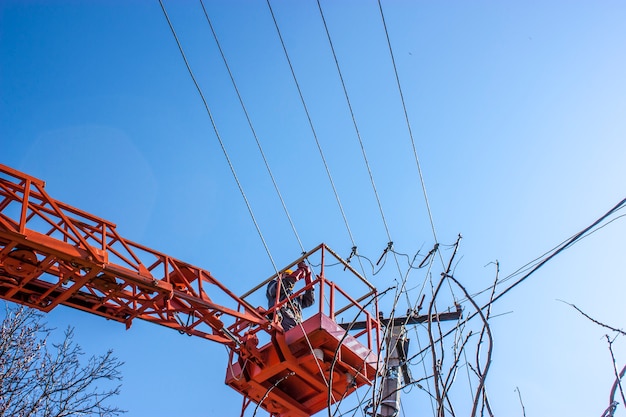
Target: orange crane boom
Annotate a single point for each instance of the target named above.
(53, 254)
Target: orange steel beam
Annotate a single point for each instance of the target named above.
(52, 253)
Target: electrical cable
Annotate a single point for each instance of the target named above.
(408, 124)
(356, 128)
(569, 243)
(337, 350)
(308, 115)
(416, 308)
(410, 131)
(419, 345)
(557, 250)
(532, 264)
(269, 390)
(256, 138)
(217, 134)
(400, 289)
(404, 280)
(529, 265)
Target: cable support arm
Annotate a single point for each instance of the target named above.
(412, 319)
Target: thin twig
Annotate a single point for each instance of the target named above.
(617, 375)
(610, 411)
(519, 394)
(594, 320)
(483, 373)
(448, 383)
(438, 363)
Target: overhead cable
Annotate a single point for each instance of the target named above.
(356, 128)
(308, 115)
(557, 250)
(408, 124)
(410, 131)
(217, 134)
(401, 288)
(256, 138)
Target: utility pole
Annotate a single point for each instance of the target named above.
(397, 343)
(396, 366)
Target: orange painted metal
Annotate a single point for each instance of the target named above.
(318, 363)
(299, 367)
(54, 254)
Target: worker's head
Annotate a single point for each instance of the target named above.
(288, 280)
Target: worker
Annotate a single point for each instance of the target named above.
(290, 313)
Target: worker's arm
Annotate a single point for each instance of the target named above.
(303, 271)
(308, 298)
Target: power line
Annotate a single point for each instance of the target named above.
(408, 125)
(532, 264)
(356, 128)
(567, 244)
(557, 250)
(256, 138)
(308, 115)
(401, 289)
(217, 134)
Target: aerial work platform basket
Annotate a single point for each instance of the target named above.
(318, 363)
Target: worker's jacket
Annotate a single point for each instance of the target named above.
(290, 314)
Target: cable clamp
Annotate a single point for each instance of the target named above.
(353, 253)
(387, 249)
(432, 251)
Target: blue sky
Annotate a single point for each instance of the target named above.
(517, 110)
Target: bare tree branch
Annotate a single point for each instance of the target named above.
(618, 376)
(519, 394)
(610, 411)
(483, 373)
(41, 381)
(594, 320)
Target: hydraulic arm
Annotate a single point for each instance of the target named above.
(52, 254)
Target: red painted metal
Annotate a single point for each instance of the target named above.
(54, 254)
(300, 366)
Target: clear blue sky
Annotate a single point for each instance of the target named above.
(518, 111)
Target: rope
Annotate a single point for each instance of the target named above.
(217, 134)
